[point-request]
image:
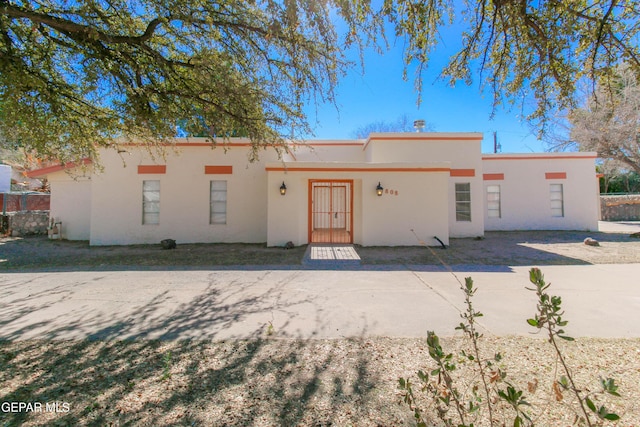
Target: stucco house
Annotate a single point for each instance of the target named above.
(390, 189)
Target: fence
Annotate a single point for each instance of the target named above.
(620, 207)
(24, 213)
(17, 202)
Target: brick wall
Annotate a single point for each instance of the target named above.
(16, 202)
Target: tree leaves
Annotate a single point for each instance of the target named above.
(73, 77)
(526, 52)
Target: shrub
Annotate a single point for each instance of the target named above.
(461, 402)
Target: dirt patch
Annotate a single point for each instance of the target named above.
(496, 248)
(515, 248)
(34, 253)
(272, 382)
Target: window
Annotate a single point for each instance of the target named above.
(218, 211)
(150, 202)
(557, 200)
(463, 201)
(493, 201)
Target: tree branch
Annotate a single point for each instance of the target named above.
(72, 28)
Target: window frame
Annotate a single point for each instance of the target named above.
(463, 215)
(218, 209)
(498, 201)
(148, 202)
(558, 198)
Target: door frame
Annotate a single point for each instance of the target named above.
(349, 199)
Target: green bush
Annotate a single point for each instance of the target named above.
(461, 402)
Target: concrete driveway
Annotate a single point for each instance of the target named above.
(600, 301)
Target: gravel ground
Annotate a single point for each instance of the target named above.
(272, 382)
(496, 248)
(279, 382)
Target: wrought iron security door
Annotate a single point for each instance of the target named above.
(330, 211)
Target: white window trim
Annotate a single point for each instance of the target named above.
(150, 198)
(462, 202)
(556, 198)
(218, 208)
(498, 201)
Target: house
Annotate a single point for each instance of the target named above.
(390, 189)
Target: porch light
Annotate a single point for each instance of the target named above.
(379, 189)
(283, 189)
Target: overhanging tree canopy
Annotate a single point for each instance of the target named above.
(532, 53)
(74, 75)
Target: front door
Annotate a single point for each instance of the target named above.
(330, 211)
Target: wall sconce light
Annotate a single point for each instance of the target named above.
(283, 189)
(379, 189)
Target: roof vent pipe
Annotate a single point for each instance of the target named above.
(418, 125)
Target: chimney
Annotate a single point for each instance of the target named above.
(418, 125)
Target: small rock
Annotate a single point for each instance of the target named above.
(168, 244)
(635, 235)
(591, 242)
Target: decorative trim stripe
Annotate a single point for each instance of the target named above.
(218, 170)
(538, 157)
(426, 138)
(328, 144)
(317, 169)
(191, 144)
(211, 144)
(493, 176)
(51, 169)
(151, 169)
(555, 175)
(462, 172)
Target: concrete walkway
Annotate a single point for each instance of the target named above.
(600, 301)
(619, 226)
(331, 256)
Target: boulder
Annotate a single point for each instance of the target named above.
(591, 242)
(168, 244)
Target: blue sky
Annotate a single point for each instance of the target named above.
(380, 93)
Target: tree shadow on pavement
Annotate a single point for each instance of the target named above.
(150, 382)
(132, 369)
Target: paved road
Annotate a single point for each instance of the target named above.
(600, 300)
